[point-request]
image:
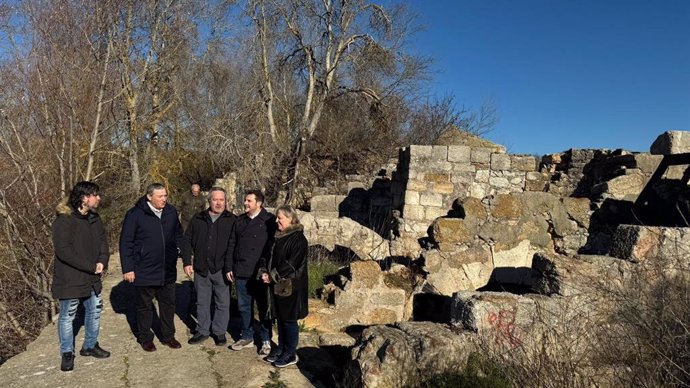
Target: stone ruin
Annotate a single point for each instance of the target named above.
(494, 244)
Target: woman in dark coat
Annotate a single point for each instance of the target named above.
(288, 261)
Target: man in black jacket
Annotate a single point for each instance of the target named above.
(251, 239)
(149, 248)
(206, 240)
(81, 257)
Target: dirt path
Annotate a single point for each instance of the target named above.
(203, 365)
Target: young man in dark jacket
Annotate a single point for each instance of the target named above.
(81, 257)
(149, 248)
(251, 239)
(206, 241)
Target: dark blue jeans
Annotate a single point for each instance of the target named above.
(247, 291)
(288, 337)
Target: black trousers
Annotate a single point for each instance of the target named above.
(165, 295)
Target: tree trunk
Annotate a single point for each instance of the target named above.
(296, 165)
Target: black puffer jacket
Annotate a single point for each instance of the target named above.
(196, 239)
(289, 259)
(149, 245)
(250, 241)
(80, 242)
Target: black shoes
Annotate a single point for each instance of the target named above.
(172, 343)
(67, 363)
(197, 339)
(96, 351)
(148, 346)
(220, 340)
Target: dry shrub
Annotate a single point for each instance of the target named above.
(637, 335)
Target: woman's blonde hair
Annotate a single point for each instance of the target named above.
(289, 212)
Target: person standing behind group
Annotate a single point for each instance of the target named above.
(288, 261)
(250, 240)
(206, 241)
(192, 203)
(149, 248)
(81, 257)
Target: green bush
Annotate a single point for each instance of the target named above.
(317, 272)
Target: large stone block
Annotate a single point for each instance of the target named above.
(624, 187)
(480, 155)
(463, 269)
(580, 275)
(416, 185)
(506, 207)
(499, 232)
(482, 176)
(431, 199)
(500, 162)
(479, 190)
(436, 178)
(535, 228)
(671, 142)
(443, 187)
(647, 163)
(499, 182)
(472, 208)
(636, 242)
(578, 209)
(420, 151)
(539, 203)
(509, 318)
(414, 212)
(365, 275)
(439, 152)
(433, 212)
(459, 154)
(452, 230)
(524, 163)
(396, 355)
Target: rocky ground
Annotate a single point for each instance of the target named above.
(204, 365)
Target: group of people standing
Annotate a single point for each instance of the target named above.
(265, 256)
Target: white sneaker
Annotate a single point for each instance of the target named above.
(266, 348)
(242, 344)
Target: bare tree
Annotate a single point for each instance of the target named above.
(310, 52)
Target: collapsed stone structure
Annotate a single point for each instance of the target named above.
(463, 217)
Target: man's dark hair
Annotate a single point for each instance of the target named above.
(257, 194)
(81, 189)
(152, 187)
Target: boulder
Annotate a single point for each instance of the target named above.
(506, 207)
(403, 354)
(452, 231)
(636, 242)
(506, 318)
(579, 275)
(623, 187)
(465, 269)
(671, 142)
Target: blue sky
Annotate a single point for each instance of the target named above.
(564, 73)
